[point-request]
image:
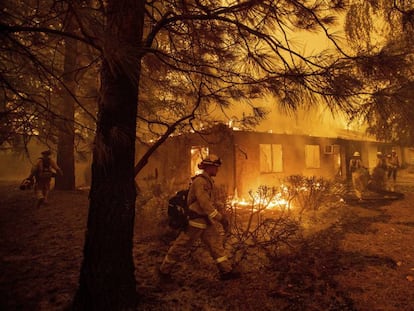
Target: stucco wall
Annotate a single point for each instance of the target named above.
(248, 175)
(170, 166)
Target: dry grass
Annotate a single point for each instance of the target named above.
(351, 258)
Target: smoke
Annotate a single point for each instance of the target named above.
(315, 121)
(14, 166)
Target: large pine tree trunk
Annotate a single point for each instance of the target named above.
(66, 141)
(107, 280)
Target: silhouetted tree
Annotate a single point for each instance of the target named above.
(66, 133)
(40, 76)
(381, 33)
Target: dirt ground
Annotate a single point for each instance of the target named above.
(354, 257)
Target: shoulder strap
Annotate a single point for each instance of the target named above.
(203, 176)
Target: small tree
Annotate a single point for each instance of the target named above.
(261, 228)
(307, 194)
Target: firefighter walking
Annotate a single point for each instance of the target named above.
(359, 173)
(42, 172)
(204, 223)
(393, 164)
(378, 180)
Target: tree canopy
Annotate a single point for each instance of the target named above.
(208, 57)
(381, 33)
(197, 57)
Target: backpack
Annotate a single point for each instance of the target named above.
(178, 210)
(46, 171)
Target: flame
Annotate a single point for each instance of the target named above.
(281, 198)
(260, 203)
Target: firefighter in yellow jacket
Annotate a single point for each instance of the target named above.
(43, 171)
(393, 163)
(359, 173)
(378, 180)
(203, 224)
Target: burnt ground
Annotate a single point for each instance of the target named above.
(352, 257)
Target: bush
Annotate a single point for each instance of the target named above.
(269, 224)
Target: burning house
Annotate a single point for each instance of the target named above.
(251, 159)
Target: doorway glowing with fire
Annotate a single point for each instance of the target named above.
(198, 153)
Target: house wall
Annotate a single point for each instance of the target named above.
(170, 167)
(247, 158)
(408, 157)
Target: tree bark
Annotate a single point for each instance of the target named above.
(107, 279)
(66, 140)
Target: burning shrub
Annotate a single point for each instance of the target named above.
(268, 224)
(307, 193)
(259, 229)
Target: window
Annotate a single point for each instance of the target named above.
(270, 158)
(312, 156)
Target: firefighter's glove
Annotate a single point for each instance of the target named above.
(225, 224)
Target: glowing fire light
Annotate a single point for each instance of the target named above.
(259, 203)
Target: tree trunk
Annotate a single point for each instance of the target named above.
(107, 279)
(66, 140)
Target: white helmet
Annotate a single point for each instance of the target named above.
(211, 159)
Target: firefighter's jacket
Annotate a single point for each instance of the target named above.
(355, 165)
(381, 163)
(201, 202)
(42, 165)
(378, 182)
(393, 162)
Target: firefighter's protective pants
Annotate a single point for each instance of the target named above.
(42, 188)
(360, 182)
(378, 180)
(210, 236)
(392, 173)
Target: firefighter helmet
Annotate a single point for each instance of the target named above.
(210, 160)
(357, 154)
